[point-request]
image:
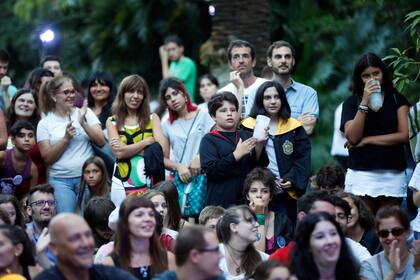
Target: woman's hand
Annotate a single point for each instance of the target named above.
(370, 87)
(70, 132)
(243, 148)
(195, 166)
(82, 112)
(394, 257)
(184, 173)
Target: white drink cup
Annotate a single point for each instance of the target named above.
(375, 99)
(261, 125)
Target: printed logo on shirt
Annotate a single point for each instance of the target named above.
(287, 147)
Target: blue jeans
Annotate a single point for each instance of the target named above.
(66, 191)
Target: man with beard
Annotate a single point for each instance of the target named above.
(303, 100)
(73, 245)
(41, 207)
(241, 58)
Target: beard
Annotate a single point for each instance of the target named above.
(282, 73)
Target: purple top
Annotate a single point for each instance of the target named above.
(10, 179)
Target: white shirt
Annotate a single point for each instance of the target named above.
(224, 268)
(79, 149)
(246, 108)
(358, 251)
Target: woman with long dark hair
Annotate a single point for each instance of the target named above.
(288, 147)
(376, 135)
(237, 230)
(321, 251)
(137, 246)
(16, 253)
(100, 95)
(95, 181)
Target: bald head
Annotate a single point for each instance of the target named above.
(62, 222)
(72, 241)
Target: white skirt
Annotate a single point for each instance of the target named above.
(375, 183)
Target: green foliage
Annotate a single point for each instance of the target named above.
(328, 37)
(406, 63)
(118, 36)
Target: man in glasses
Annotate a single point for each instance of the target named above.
(197, 255)
(41, 207)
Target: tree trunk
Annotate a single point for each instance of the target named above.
(240, 19)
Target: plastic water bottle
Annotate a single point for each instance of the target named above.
(375, 98)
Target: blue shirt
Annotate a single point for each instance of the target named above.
(34, 239)
(302, 99)
(11, 90)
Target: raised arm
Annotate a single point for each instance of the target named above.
(164, 60)
(93, 131)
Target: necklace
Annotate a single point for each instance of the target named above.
(238, 267)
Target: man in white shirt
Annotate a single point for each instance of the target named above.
(241, 58)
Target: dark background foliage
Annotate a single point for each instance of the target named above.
(123, 37)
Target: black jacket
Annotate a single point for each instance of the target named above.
(293, 153)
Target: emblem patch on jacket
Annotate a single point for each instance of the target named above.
(287, 147)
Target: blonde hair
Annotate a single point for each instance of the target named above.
(48, 90)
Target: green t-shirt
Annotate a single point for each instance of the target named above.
(185, 70)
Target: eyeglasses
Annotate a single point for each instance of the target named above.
(395, 232)
(41, 203)
(68, 91)
(211, 250)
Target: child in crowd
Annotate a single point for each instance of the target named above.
(94, 182)
(227, 154)
(330, 178)
(17, 171)
(210, 215)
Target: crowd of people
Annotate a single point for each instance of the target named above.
(97, 183)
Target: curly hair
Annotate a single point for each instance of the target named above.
(366, 219)
(330, 177)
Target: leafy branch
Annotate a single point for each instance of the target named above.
(406, 62)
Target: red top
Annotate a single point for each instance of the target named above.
(283, 255)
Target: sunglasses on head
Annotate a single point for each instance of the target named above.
(384, 233)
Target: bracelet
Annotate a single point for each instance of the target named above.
(363, 108)
(261, 219)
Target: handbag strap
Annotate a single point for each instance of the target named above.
(188, 134)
